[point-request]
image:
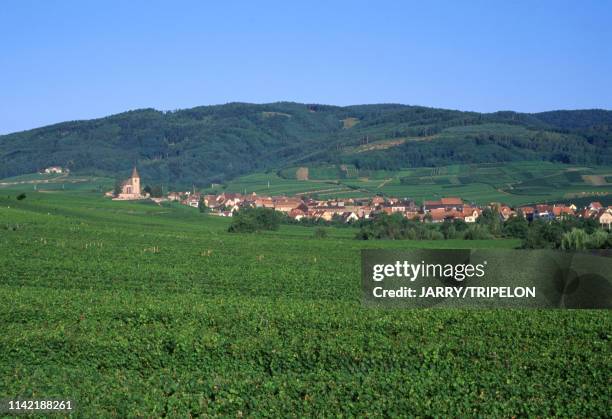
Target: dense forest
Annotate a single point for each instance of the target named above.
(215, 143)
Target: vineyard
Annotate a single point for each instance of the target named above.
(134, 309)
(513, 183)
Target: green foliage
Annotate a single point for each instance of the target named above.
(250, 220)
(575, 240)
(491, 221)
(398, 227)
(578, 239)
(516, 227)
(569, 233)
(21, 196)
(157, 191)
(512, 183)
(202, 205)
(117, 187)
(478, 232)
(211, 144)
(138, 310)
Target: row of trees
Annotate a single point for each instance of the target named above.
(569, 233)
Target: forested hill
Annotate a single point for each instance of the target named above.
(215, 143)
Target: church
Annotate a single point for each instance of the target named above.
(130, 188)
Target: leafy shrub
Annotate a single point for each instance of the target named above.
(21, 197)
(516, 227)
(250, 220)
(575, 240)
(599, 240)
(477, 232)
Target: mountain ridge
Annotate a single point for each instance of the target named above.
(219, 142)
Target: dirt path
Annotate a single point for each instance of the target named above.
(384, 182)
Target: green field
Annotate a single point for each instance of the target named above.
(513, 183)
(134, 309)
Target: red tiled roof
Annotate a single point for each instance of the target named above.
(451, 201)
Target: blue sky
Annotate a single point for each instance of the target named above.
(66, 60)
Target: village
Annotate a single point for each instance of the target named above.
(350, 210)
(354, 209)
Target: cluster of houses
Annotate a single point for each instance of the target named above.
(353, 209)
(54, 170)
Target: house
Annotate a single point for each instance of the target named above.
(230, 199)
(505, 211)
(323, 214)
(452, 202)
(438, 215)
(444, 203)
(364, 212)
(413, 215)
(349, 217)
(130, 188)
(210, 201)
(55, 169)
(328, 215)
(470, 214)
(287, 204)
(174, 196)
(595, 206)
(297, 214)
(264, 202)
(193, 200)
(544, 211)
(605, 218)
(528, 212)
(562, 211)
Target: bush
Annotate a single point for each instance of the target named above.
(599, 240)
(575, 240)
(250, 220)
(21, 197)
(517, 227)
(477, 232)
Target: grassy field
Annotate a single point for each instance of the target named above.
(513, 183)
(134, 309)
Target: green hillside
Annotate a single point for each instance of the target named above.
(213, 144)
(513, 183)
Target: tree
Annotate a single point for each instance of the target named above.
(516, 227)
(156, 191)
(118, 187)
(477, 232)
(491, 219)
(250, 220)
(202, 205)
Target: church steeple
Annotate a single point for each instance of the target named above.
(135, 173)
